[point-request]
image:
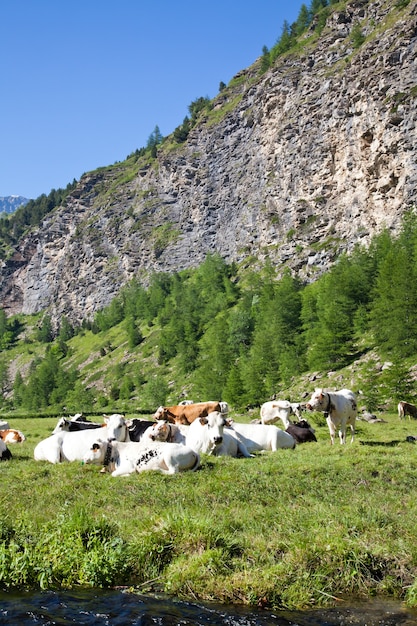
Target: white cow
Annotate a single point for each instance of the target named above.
(72, 446)
(274, 410)
(257, 437)
(209, 435)
(124, 458)
(340, 409)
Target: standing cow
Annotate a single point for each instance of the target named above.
(405, 408)
(186, 414)
(274, 410)
(340, 409)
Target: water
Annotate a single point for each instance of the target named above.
(118, 608)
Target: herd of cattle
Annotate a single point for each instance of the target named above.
(176, 436)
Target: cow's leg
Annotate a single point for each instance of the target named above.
(124, 469)
(332, 430)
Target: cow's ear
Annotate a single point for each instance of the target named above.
(203, 421)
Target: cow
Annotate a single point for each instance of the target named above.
(209, 435)
(165, 431)
(186, 414)
(74, 424)
(11, 435)
(405, 408)
(71, 446)
(301, 431)
(124, 458)
(261, 437)
(5, 453)
(274, 410)
(340, 409)
(137, 428)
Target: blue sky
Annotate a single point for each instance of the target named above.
(85, 82)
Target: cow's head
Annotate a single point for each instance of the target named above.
(160, 431)
(159, 413)
(96, 453)
(215, 423)
(116, 427)
(317, 401)
(62, 425)
(304, 424)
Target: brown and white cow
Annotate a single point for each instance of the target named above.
(11, 435)
(340, 409)
(186, 414)
(405, 408)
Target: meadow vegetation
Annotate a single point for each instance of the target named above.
(290, 529)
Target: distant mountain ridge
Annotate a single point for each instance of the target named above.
(9, 204)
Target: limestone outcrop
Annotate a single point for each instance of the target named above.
(295, 165)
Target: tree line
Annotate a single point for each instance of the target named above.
(243, 337)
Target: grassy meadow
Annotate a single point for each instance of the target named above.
(291, 529)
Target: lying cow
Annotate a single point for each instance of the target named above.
(5, 453)
(137, 428)
(340, 409)
(209, 435)
(74, 424)
(274, 410)
(11, 435)
(186, 414)
(405, 408)
(72, 446)
(261, 437)
(301, 431)
(124, 458)
(165, 431)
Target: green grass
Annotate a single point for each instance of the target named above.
(290, 529)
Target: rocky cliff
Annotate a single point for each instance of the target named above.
(295, 165)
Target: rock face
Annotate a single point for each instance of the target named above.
(296, 165)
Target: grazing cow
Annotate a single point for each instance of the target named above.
(72, 446)
(185, 414)
(274, 410)
(165, 431)
(11, 435)
(209, 435)
(340, 409)
(261, 437)
(124, 458)
(5, 453)
(301, 431)
(405, 408)
(137, 428)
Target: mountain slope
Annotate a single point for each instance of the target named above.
(294, 165)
